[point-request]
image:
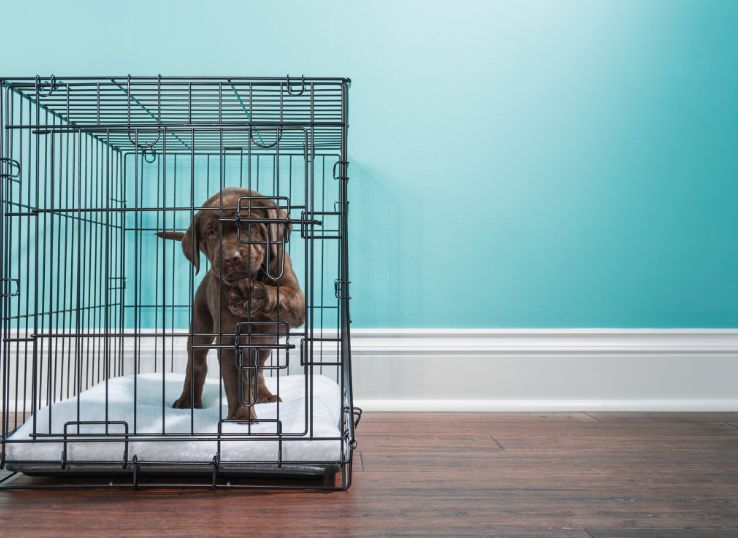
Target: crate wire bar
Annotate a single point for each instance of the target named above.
(90, 169)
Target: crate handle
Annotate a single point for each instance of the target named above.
(7, 287)
(335, 165)
(357, 411)
(265, 146)
(11, 163)
(53, 85)
(302, 86)
(148, 150)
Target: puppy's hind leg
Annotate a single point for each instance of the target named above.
(197, 365)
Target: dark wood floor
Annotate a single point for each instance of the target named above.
(605, 475)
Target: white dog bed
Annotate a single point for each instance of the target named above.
(326, 409)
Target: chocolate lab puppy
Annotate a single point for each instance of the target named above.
(250, 279)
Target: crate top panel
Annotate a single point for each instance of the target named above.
(184, 114)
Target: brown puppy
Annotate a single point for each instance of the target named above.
(250, 279)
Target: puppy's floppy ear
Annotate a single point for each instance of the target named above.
(191, 243)
(279, 234)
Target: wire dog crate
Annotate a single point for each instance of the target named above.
(100, 323)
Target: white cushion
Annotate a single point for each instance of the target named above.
(120, 391)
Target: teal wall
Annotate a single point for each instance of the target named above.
(513, 164)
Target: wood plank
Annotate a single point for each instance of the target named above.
(432, 443)
(661, 533)
(663, 417)
(443, 474)
(637, 443)
(544, 427)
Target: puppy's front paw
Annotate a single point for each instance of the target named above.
(264, 395)
(257, 298)
(185, 402)
(268, 398)
(248, 298)
(243, 413)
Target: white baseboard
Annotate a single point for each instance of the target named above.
(523, 369)
(546, 370)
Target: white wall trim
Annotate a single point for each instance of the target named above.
(546, 369)
(532, 370)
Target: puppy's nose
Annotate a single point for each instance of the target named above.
(232, 257)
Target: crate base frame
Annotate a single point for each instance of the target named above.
(151, 475)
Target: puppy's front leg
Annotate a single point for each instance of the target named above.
(263, 394)
(285, 302)
(240, 404)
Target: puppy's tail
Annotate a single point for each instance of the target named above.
(176, 236)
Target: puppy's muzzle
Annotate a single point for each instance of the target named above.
(231, 261)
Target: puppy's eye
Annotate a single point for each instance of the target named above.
(212, 234)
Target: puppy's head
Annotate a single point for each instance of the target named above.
(236, 249)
